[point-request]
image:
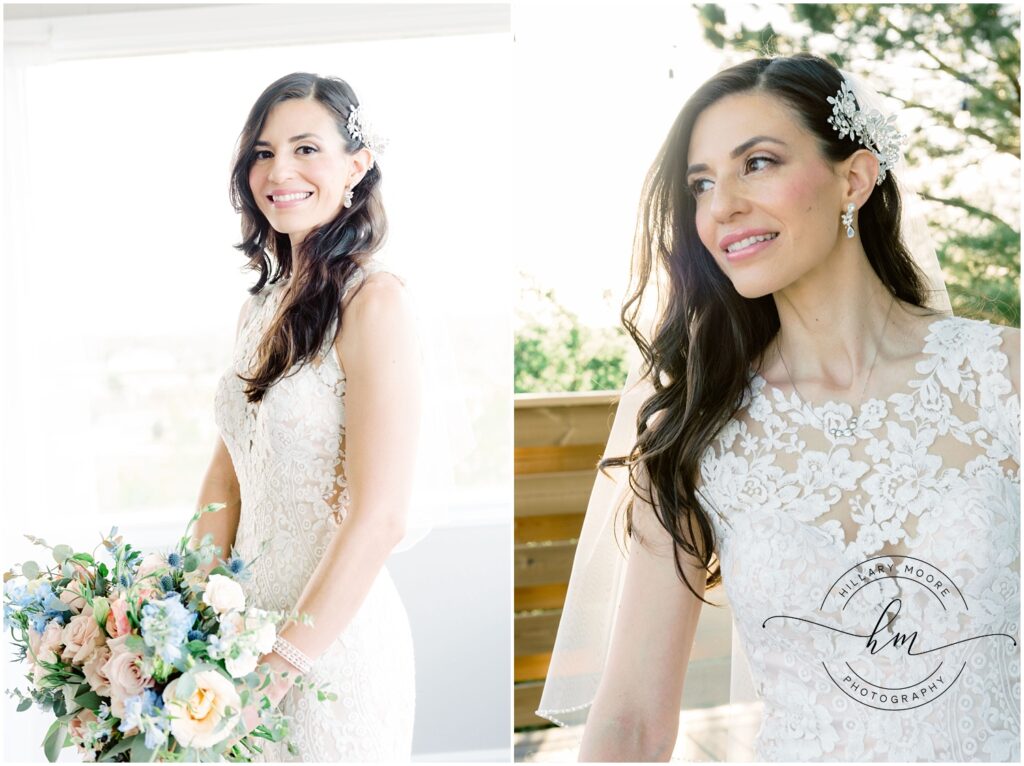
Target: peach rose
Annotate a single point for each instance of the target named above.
(95, 672)
(223, 594)
(117, 618)
(77, 725)
(202, 720)
(72, 596)
(49, 641)
(81, 637)
(124, 674)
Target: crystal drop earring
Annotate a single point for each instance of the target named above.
(848, 220)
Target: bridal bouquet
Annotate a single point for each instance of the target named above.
(144, 658)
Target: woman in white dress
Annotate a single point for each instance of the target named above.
(318, 420)
(813, 435)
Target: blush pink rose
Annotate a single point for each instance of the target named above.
(49, 641)
(52, 638)
(38, 671)
(117, 618)
(72, 596)
(77, 725)
(124, 673)
(96, 672)
(81, 637)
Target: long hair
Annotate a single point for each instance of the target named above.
(708, 336)
(331, 252)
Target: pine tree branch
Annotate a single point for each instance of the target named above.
(911, 38)
(1000, 146)
(962, 204)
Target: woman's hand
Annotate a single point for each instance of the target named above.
(275, 691)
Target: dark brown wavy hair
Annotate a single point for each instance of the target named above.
(708, 336)
(331, 252)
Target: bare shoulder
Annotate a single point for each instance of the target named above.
(377, 321)
(381, 291)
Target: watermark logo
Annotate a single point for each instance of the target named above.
(897, 624)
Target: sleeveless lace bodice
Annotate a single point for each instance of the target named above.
(288, 454)
(875, 579)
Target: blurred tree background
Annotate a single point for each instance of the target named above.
(956, 71)
(554, 351)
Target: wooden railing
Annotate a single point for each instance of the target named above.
(559, 439)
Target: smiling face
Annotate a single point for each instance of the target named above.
(301, 169)
(767, 201)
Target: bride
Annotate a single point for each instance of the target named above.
(318, 419)
(812, 434)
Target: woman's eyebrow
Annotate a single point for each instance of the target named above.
(293, 139)
(737, 151)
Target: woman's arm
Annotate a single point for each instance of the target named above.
(635, 715)
(377, 346)
(220, 485)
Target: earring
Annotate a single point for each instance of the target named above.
(349, 195)
(848, 220)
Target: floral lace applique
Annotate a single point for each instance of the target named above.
(931, 475)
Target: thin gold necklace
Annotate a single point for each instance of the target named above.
(851, 424)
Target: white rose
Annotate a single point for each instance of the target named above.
(202, 720)
(263, 628)
(242, 665)
(223, 594)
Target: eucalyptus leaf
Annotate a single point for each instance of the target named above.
(62, 552)
(90, 700)
(53, 742)
(141, 753)
(30, 569)
(190, 563)
(25, 704)
(135, 644)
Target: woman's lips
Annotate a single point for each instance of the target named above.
(749, 251)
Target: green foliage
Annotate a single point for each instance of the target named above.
(973, 52)
(554, 352)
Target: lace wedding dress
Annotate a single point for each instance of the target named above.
(288, 455)
(874, 578)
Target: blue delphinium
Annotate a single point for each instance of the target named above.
(39, 601)
(165, 625)
(146, 711)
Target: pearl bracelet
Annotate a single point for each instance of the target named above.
(293, 656)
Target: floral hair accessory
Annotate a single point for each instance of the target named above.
(361, 129)
(870, 127)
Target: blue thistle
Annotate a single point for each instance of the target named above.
(196, 635)
(235, 565)
(167, 582)
(124, 581)
(174, 560)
